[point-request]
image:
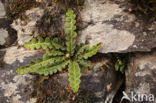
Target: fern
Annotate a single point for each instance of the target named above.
(61, 55)
(74, 75)
(70, 30)
(121, 63)
(39, 43)
(90, 51)
(37, 67)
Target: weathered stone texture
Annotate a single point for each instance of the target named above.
(15, 88)
(141, 74)
(7, 34)
(26, 28)
(111, 23)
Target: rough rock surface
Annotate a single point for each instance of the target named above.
(106, 21)
(26, 28)
(141, 75)
(2, 10)
(7, 34)
(15, 88)
(101, 80)
(3, 32)
(111, 23)
(42, 20)
(4, 35)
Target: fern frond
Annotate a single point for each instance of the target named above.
(120, 65)
(58, 66)
(90, 51)
(84, 63)
(70, 28)
(39, 43)
(55, 53)
(57, 44)
(82, 48)
(74, 76)
(39, 65)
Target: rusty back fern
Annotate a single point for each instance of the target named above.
(62, 55)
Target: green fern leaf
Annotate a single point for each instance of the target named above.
(39, 65)
(74, 76)
(81, 49)
(55, 53)
(39, 43)
(84, 63)
(57, 44)
(120, 65)
(90, 51)
(58, 66)
(70, 28)
(117, 66)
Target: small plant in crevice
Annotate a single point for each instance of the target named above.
(121, 62)
(61, 55)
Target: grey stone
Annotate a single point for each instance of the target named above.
(44, 21)
(26, 28)
(16, 88)
(7, 34)
(3, 32)
(3, 36)
(102, 80)
(112, 24)
(2, 10)
(141, 75)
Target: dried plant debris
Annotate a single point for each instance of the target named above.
(16, 8)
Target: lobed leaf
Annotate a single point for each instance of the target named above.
(74, 75)
(90, 51)
(58, 66)
(55, 53)
(39, 43)
(81, 49)
(57, 44)
(42, 64)
(120, 65)
(84, 63)
(70, 28)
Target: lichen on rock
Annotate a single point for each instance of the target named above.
(16, 88)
